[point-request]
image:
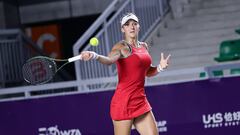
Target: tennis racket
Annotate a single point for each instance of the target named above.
(41, 69)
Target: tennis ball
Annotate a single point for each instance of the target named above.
(94, 41)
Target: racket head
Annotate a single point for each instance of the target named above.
(39, 70)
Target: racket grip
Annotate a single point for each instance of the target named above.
(79, 57)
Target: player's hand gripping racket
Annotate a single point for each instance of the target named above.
(41, 69)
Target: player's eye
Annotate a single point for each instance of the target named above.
(135, 23)
(126, 24)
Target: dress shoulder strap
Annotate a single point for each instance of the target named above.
(144, 44)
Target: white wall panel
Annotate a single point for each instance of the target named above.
(44, 12)
(61, 9)
(88, 7)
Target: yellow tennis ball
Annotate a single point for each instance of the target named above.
(94, 41)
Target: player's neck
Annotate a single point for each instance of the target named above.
(132, 41)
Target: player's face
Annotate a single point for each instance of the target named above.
(131, 29)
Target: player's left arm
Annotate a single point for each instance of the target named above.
(163, 64)
(152, 71)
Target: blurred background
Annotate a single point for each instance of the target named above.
(197, 94)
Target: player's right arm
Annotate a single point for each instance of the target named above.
(112, 57)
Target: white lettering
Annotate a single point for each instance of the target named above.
(162, 126)
(215, 118)
(55, 131)
(219, 120)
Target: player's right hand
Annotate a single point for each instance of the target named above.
(88, 55)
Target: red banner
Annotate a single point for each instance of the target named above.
(47, 38)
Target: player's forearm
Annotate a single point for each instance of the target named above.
(112, 57)
(106, 60)
(152, 71)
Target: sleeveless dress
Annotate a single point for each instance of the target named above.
(129, 100)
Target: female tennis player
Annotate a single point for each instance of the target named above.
(129, 105)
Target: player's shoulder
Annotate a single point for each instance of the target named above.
(119, 45)
(144, 44)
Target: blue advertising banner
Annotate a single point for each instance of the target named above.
(207, 107)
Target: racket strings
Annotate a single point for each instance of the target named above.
(39, 70)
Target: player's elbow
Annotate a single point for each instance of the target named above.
(109, 63)
(148, 75)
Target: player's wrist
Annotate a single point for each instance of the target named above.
(95, 56)
(159, 68)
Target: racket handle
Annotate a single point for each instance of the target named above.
(79, 57)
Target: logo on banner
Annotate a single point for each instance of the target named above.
(162, 126)
(218, 120)
(55, 131)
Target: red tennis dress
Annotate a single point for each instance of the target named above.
(129, 100)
